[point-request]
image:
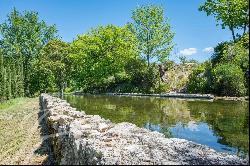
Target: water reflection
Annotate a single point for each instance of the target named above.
(222, 125)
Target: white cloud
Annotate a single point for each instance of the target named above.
(208, 49)
(188, 51)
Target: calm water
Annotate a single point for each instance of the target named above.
(221, 125)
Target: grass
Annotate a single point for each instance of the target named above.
(9, 103)
(19, 129)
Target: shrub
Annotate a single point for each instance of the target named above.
(142, 78)
(200, 79)
(229, 80)
(235, 56)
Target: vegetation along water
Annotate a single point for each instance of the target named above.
(130, 58)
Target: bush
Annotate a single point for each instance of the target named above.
(232, 52)
(229, 80)
(142, 78)
(219, 52)
(230, 73)
(200, 79)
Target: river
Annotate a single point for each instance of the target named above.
(221, 125)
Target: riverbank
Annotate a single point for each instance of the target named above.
(78, 138)
(175, 95)
(245, 98)
(20, 133)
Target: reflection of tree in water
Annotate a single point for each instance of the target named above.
(134, 109)
(229, 121)
(176, 110)
(160, 128)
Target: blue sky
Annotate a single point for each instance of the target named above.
(194, 30)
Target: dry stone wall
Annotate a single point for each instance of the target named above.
(78, 138)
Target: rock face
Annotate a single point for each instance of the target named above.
(78, 138)
(177, 76)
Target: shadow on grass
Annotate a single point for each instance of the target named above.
(46, 146)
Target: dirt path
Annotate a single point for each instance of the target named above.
(21, 141)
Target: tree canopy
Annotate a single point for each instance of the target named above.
(153, 32)
(102, 53)
(23, 36)
(233, 14)
(52, 67)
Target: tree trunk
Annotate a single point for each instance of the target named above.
(148, 49)
(26, 77)
(148, 60)
(244, 30)
(232, 30)
(61, 89)
(161, 71)
(61, 94)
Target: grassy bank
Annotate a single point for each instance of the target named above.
(20, 135)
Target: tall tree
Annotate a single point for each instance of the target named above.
(101, 54)
(54, 57)
(153, 32)
(9, 81)
(23, 36)
(233, 14)
(1, 77)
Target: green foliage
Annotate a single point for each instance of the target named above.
(229, 52)
(229, 13)
(193, 61)
(228, 73)
(101, 54)
(10, 79)
(200, 79)
(153, 32)
(42, 78)
(183, 59)
(143, 79)
(219, 52)
(23, 36)
(230, 60)
(53, 66)
(234, 53)
(107, 58)
(2, 83)
(238, 53)
(229, 80)
(168, 64)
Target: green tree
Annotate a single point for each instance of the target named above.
(9, 81)
(23, 36)
(236, 53)
(142, 79)
(200, 80)
(218, 54)
(101, 54)
(229, 80)
(233, 14)
(2, 86)
(42, 77)
(14, 87)
(5, 84)
(20, 78)
(55, 65)
(183, 59)
(153, 32)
